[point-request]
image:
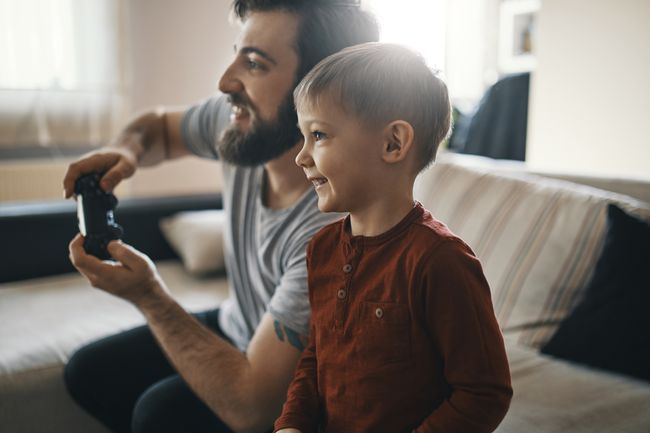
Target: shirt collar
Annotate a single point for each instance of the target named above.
(356, 241)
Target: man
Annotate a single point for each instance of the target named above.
(234, 363)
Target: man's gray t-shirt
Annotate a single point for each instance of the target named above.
(265, 249)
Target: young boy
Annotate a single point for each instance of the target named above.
(403, 334)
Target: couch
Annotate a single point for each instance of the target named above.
(539, 237)
(48, 310)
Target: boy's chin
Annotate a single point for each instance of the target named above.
(326, 206)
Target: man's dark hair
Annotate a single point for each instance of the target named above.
(324, 26)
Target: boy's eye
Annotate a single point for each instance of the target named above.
(318, 135)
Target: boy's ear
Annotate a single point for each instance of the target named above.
(398, 141)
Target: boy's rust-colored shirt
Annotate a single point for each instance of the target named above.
(403, 335)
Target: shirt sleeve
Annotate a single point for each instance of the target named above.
(302, 408)
(203, 123)
(460, 318)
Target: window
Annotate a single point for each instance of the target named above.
(419, 24)
(457, 37)
(61, 81)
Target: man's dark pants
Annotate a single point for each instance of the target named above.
(126, 382)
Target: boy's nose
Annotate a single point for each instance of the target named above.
(303, 159)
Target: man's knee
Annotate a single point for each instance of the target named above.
(170, 406)
(157, 410)
(78, 373)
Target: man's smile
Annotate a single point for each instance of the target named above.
(241, 110)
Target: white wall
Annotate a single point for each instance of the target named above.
(177, 51)
(590, 93)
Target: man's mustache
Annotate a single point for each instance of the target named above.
(239, 100)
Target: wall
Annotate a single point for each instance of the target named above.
(590, 93)
(177, 52)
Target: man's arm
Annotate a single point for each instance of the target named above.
(147, 140)
(245, 390)
(301, 412)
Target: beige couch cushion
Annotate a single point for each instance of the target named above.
(44, 320)
(538, 239)
(554, 396)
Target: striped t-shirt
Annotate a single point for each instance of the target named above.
(264, 248)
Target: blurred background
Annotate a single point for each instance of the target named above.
(570, 77)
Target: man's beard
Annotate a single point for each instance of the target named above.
(265, 141)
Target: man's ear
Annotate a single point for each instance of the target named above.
(398, 141)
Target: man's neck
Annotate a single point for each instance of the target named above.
(284, 182)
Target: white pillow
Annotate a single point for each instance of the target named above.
(197, 237)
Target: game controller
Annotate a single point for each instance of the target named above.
(95, 213)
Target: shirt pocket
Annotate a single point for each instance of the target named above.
(384, 333)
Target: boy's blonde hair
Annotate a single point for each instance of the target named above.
(379, 83)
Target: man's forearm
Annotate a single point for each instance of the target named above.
(217, 372)
(153, 137)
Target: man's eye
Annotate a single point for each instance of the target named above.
(318, 135)
(253, 65)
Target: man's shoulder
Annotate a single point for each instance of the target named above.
(202, 123)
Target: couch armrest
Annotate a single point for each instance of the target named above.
(35, 236)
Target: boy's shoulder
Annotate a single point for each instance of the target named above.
(432, 237)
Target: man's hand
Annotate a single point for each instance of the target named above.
(117, 164)
(147, 140)
(133, 277)
(288, 430)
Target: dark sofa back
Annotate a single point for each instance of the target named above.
(35, 236)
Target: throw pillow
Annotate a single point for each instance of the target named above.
(197, 237)
(610, 328)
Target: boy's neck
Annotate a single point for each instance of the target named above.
(381, 215)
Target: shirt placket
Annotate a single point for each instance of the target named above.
(343, 294)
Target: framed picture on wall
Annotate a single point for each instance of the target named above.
(517, 22)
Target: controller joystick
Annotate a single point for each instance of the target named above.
(95, 213)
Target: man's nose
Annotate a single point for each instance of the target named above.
(229, 82)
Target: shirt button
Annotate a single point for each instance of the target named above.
(379, 313)
(347, 268)
(341, 294)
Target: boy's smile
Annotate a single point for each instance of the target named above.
(317, 181)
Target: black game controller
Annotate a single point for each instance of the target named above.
(95, 214)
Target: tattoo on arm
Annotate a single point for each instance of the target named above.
(295, 339)
(278, 330)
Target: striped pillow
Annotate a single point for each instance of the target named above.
(537, 238)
